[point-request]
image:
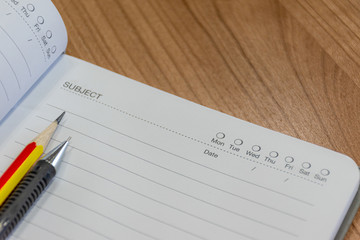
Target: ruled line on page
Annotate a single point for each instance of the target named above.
(203, 201)
(170, 206)
(92, 230)
(12, 70)
(174, 172)
(180, 174)
(186, 159)
(5, 91)
(25, 221)
(125, 206)
(99, 234)
(102, 215)
(187, 177)
(193, 139)
(17, 46)
(51, 231)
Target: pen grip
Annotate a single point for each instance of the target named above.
(24, 196)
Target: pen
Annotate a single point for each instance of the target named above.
(29, 189)
(26, 159)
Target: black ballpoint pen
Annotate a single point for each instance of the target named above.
(29, 189)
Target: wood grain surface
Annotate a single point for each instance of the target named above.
(288, 65)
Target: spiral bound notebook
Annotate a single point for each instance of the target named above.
(144, 164)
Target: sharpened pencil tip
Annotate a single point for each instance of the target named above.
(58, 120)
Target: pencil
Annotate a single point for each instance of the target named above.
(21, 165)
(29, 189)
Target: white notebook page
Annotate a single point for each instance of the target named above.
(32, 37)
(143, 164)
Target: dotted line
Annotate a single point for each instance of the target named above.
(29, 28)
(191, 138)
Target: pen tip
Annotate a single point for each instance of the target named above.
(54, 157)
(69, 138)
(58, 120)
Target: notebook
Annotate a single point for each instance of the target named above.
(145, 164)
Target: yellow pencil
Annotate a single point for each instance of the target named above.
(26, 160)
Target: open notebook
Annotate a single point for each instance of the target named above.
(144, 164)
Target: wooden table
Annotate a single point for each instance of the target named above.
(288, 65)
